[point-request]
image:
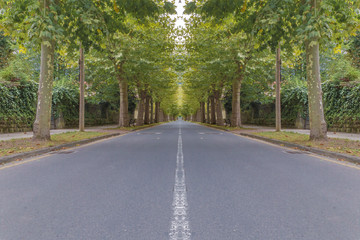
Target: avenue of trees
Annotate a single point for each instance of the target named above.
(232, 47)
(106, 48)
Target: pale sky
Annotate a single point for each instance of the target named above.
(180, 9)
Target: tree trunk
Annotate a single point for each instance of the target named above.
(208, 110)
(140, 116)
(318, 128)
(202, 112)
(123, 113)
(157, 112)
(219, 116)
(147, 110)
(42, 122)
(82, 91)
(236, 111)
(198, 115)
(278, 96)
(151, 110)
(161, 115)
(213, 110)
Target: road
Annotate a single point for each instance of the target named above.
(179, 181)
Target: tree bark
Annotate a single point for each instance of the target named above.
(213, 114)
(208, 110)
(82, 91)
(278, 96)
(161, 115)
(140, 116)
(123, 113)
(147, 110)
(219, 116)
(151, 110)
(202, 112)
(157, 112)
(236, 111)
(42, 122)
(318, 128)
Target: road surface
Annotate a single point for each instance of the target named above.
(179, 181)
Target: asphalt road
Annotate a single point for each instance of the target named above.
(166, 183)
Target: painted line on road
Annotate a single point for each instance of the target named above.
(180, 228)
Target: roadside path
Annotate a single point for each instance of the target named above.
(9, 136)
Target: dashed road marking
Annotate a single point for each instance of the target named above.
(180, 228)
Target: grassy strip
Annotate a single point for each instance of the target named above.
(226, 128)
(345, 146)
(15, 146)
(133, 128)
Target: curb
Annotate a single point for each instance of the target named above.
(20, 156)
(23, 155)
(339, 156)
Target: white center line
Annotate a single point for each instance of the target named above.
(180, 229)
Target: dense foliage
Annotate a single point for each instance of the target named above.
(18, 102)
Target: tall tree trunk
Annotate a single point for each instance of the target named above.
(161, 115)
(202, 112)
(318, 128)
(236, 111)
(208, 110)
(157, 112)
(82, 91)
(213, 110)
(278, 96)
(42, 122)
(123, 113)
(198, 115)
(219, 115)
(147, 110)
(151, 110)
(140, 116)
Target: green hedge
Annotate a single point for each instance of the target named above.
(18, 103)
(341, 103)
(18, 106)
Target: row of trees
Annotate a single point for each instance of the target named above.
(126, 42)
(227, 42)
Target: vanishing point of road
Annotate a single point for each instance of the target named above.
(179, 181)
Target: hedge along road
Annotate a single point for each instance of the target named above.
(134, 187)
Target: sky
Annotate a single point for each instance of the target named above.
(180, 9)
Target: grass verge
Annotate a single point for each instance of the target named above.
(15, 146)
(133, 128)
(226, 128)
(345, 146)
